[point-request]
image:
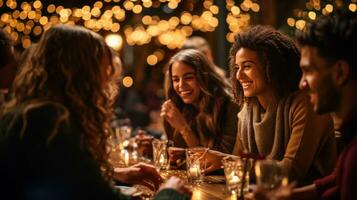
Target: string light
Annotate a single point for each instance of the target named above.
(29, 19)
(316, 8)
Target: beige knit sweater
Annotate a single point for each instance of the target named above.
(289, 131)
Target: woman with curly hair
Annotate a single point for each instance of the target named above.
(54, 130)
(198, 110)
(276, 120)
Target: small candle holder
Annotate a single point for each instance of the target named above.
(235, 168)
(160, 156)
(195, 164)
(270, 174)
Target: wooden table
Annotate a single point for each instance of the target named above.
(212, 188)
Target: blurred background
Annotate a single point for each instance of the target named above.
(146, 33)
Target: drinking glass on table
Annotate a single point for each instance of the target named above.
(236, 171)
(160, 156)
(269, 174)
(123, 133)
(195, 164)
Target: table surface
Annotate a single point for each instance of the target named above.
(212, 188)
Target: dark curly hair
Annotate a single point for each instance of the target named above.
(334, 36)
(278, 54)
(67, 67)
(214, 91)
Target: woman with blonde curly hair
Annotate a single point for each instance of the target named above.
(54, 130)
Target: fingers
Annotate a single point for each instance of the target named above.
(149, 173)
(168, 109)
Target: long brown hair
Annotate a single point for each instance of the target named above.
(72, 66)
(213, 93)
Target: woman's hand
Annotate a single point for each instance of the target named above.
(213, 161)
(141, 173)
(177, 156)
(176, 184)
(175, 118)
(171, 114)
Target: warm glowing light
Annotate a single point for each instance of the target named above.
(146, 20)
(152, 60)
(214, 9)
(37, 4)
(164, 25)
(159, 54)
(127, 81)
(95, 12)
(20, 27)
(120, 15)
(329, 8)
(147, 4)
(26, 43)
(14, 36)
(98, 4)
(16, 14)
(172, 4)
(59, 8)
(116, 9)
(153, 30)
(312, 15)
(128, 5)
(137, 9)
(207, 4)
(31, 15)
(235, 10)
(51, 8)
(37, 30)
(174, 21)
(255, 7)
(115, 41)
(5, 17)
(352, 7)
(230, 37)
(115, 27)
(300, 24)
(186, 18)
(291, 21)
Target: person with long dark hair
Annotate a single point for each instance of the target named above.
(198, 110)
(55, 129)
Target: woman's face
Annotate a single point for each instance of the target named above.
(185, 82)
(249, 73)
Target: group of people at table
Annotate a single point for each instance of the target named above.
(55, 126)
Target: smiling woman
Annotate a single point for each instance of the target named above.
(198, 110)
(276, 120)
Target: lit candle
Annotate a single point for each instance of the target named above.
(234, 180)
(162, 159)
(194, 171)
(126, 158)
